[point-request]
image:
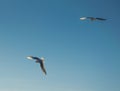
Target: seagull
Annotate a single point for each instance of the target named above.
(39, 60)
(92, 18)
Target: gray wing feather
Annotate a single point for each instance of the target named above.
(101, 19)
(43, 68)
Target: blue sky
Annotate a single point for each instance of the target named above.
(79, 55)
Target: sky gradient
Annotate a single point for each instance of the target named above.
(79, 55)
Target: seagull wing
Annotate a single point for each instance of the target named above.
(101, 19)
(43, 68)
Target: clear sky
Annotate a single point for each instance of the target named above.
(79, 55)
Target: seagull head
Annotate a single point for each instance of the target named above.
(30, 57)
(83, 18)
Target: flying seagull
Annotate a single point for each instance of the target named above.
(92, 18)
(39, 60)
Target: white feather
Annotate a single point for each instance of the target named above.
(83, 18)
(29, 57)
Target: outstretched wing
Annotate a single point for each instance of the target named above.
(43, 68)
(101, 19)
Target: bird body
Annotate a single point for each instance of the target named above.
(39, 60)
(92, 18)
